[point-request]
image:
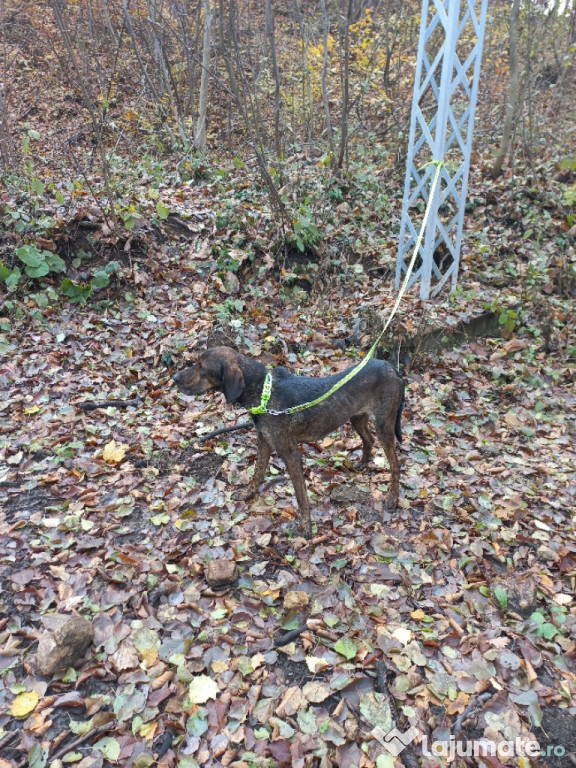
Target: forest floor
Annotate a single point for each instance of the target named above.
(455, 615)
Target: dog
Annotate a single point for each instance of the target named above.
(376, 392)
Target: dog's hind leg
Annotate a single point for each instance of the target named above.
(361, 425)
(293, 461)
(260, 467)
(385, 432)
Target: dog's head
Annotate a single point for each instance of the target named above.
(217, 370)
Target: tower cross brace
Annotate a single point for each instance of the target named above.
(441, 129)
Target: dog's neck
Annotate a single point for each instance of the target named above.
(254, 374)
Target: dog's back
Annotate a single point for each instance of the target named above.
(376, 391)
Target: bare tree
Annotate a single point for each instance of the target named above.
(325, 31)
(200, 135)
(275, 73)
(345, 89)
(89, 104)
(513, 93)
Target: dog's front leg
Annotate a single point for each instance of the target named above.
(293, 461)
(262, 460)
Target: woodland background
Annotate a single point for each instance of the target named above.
(183, 174)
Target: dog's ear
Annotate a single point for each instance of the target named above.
(232, 381)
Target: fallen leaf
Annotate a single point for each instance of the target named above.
(114, 452)
(316, 692)
(201, 689)
(23, 704)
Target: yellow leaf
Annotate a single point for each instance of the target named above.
(148, 730)
(32, 409)
(418, 614)
(114, 452)
(459, 704)
(24, 703)
(149, 655)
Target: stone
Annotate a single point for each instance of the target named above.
(296, 599)
(221, 573)
(62, 648)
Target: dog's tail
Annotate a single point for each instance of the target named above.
(398, 426)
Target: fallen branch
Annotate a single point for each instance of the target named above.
(474, 705)
(92, 405)
(289, 636)
(81, 739)
(11, 736)
(222, 430)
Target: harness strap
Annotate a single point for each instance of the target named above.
(265, 396)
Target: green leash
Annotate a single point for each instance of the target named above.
(267, 387)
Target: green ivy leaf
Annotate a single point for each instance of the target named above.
(54, 261)
(547, 631)
(13, 280)
(346, 647)
(37, 756)
(112, 266)
(30, 255)
(162, 210)
(39, 271)
(100, 279)
(501, 596)
(74, 291)
(109, 747)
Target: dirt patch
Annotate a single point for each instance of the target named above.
(486, 325)
(22, 504)
(205, 467)
(201, 468)
(557, 737)
(293, 672)
(351, 495)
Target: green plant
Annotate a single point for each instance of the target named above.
(81, 292)
(37, 263)
(305, 234)
(569, 163)
(229, 307)
(544, 628)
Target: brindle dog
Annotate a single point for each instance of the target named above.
(376, 392)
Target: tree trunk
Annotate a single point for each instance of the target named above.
(276, 73)
(200, 137)
(325, 30)
(513, 93)
(346, 91)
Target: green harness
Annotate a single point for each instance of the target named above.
(267, 386)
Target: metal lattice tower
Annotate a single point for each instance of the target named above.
(441, 127)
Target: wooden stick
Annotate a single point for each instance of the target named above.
(81, 739)
(222, 430)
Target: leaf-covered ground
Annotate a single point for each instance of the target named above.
(455, 615)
